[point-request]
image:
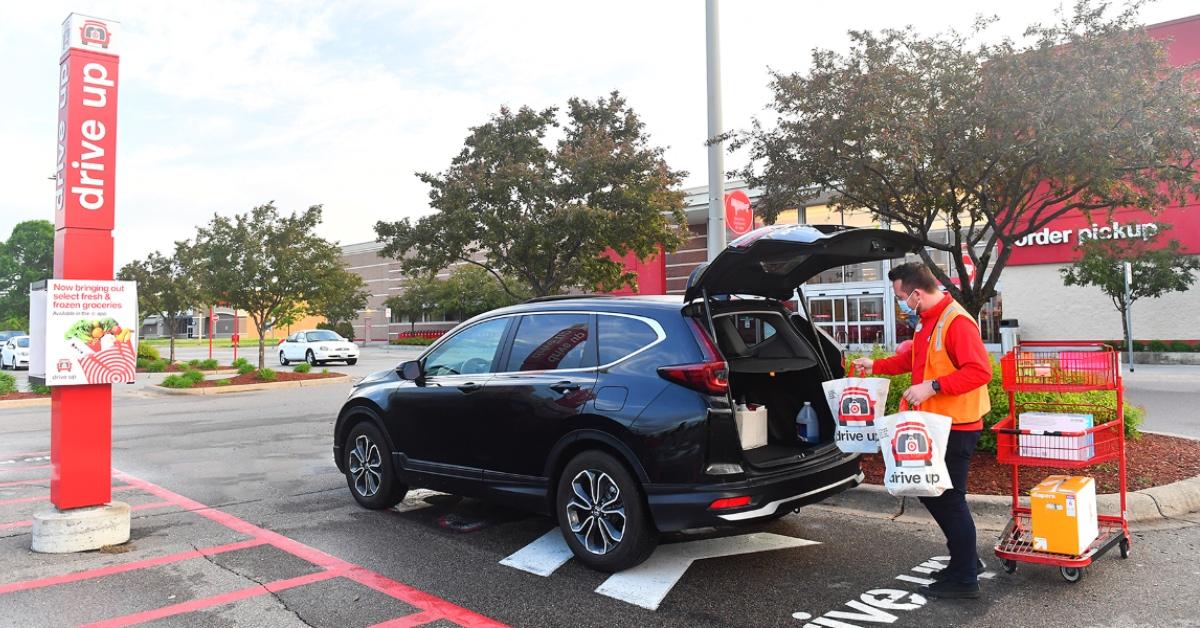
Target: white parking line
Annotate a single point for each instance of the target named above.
(649, 583)
(543, 556)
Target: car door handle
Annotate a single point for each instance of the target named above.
(564, 387)
(469, 387)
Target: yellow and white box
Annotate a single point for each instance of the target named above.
(1064, 516)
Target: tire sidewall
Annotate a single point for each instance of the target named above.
(391, 490)
(639, 538)
(283, 361)
(311, 358)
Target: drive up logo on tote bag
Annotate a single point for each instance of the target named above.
(914, 452)
(856, 403)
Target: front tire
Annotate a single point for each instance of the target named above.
(311, 359)
(283, 361)
(602, 513)
(370, 471)
(352, 362)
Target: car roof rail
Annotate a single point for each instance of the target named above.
(564, 297)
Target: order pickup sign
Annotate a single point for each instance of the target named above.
(90, 332)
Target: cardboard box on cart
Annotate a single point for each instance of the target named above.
(1063, 513)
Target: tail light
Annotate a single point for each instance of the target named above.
(710, 376)
(726, 503)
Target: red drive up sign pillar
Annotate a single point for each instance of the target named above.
(81, 416)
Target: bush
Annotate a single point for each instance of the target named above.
(999, 400)
(420, 342)
(343, 329)
(1158, 345)
(245, 367)
(1180, 345)
(193, 376)
(8, 384)
(267, 375)
(156, 366)
(177, 381)
(39, 389)
(1138, 345)
(240, 362)
(146, 350)
(303, 367)
(193, 363)
(222, 382)
(210, 364)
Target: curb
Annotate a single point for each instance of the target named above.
(1147, 505)
(221, 390)
(24, 403)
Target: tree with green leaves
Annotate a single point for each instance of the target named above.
(26, 257)
(269, 264)
(543, 214)
(471, 290)
(167, 287)
(420, 295)
(1155, 271)
(994, 141)
(343, 295)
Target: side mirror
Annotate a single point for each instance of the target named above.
(410, 370)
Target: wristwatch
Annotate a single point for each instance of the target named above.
(937, 387)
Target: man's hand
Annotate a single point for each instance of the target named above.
(915, 395)
(866, 365)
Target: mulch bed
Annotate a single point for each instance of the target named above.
(1152, 460)
(252, 378)
(22, 395)
(179, 368)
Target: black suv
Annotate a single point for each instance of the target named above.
(616, 415)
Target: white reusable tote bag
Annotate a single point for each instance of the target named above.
(914, 452)
(857, 404)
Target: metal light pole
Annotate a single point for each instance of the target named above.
(716, 160)
(1129, 313)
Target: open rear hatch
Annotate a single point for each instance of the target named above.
(775, 360)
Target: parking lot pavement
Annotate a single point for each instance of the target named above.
(258, 467)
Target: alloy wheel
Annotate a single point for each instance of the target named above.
(596, 512)
(365, 465)
(311, 359)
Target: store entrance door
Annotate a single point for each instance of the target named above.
(856, 320)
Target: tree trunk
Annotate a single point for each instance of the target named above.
(171, 322)
(262, 342)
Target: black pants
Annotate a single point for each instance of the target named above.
(950, 509)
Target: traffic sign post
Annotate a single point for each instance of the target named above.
(81, 416)
(212, 330)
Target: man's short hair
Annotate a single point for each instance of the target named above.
(913, 275)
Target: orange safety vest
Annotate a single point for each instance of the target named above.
(968, 407)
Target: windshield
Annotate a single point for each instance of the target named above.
(23, 342)
(318, 336)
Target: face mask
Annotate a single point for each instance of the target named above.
(904, 307)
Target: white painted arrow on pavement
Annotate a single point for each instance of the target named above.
(647, 584)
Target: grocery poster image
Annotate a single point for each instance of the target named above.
(90, 332)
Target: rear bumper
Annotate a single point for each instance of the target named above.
(678, 507)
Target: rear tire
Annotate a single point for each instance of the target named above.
(352, 362)
(602, 513)
(370, 470)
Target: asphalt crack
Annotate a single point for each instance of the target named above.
(273, 594)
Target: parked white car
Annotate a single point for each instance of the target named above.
(317, 346)
(14, 353)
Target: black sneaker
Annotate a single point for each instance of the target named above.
(943, 589)
(940, 574)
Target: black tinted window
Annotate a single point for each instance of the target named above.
(546, 342)
(620, 336)
(469, 352)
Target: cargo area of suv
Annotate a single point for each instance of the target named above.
(773, 365)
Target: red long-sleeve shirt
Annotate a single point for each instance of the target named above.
(966, 351)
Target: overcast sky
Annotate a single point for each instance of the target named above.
(224, 106)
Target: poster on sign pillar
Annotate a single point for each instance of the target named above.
(91, 332)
